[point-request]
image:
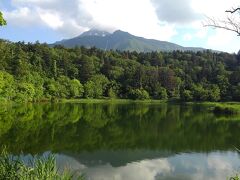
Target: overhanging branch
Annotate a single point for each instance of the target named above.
(233, 11)
(230, 23)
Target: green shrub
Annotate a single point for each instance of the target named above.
(140, 94)
(160, 93)
(187, 95)
(236, 177)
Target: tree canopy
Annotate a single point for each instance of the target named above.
(36, 72)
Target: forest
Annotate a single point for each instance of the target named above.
(31, 72)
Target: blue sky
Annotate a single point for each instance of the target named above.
(178, 21)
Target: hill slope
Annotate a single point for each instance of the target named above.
(123, 41)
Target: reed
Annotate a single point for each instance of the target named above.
(45, 168)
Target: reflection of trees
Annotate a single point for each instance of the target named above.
(79, 127)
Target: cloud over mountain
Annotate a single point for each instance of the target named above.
(179, 21)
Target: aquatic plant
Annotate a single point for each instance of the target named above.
(43, 168)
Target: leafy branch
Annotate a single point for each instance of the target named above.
(2, 20)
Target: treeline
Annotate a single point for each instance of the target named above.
(36, 72)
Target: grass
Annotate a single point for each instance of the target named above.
(107, 100)
(227, 108)
(12, 168)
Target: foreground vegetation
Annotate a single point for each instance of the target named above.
(227, 108)
(40, 169)
(236, 177)
(37, 72)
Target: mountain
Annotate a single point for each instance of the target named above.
(123, 41)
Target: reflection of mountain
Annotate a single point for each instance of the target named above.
(76, 128)
(191, 166)
(117, 158)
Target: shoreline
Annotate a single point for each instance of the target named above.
(216, 107)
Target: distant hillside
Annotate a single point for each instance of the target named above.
(122, 41)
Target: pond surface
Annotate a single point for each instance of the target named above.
(108, 141)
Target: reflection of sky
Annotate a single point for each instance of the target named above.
(195, 166)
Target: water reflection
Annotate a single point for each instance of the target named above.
(126, 141)
(195, 166)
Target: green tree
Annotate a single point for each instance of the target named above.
(2, 20)
(100, 85)
(111, 93)
(89, 91)
(51, 88)
(160, 92)
(63, 86)
(199, 93)
(214, 93)
(235, 92)
(35, 79)
(7, 85)
(87, 69)
(76, 89)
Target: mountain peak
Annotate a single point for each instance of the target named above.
(120, 40)
(119, 32)
(95, 32)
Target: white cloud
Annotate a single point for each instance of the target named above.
(223, 40)
(147, 169)
(175, 11)
(22, 16)
(213, 8)
(143, 170)
(71, 19)
(136, 17)
(219, 163)
(197, 166)
(51, 19)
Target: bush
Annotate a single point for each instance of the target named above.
(160, 93)
(25, 92)
(186, 95)
(140, 94)
(76, 89)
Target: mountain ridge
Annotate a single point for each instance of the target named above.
(123, 41)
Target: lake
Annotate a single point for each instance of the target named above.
(121, 141)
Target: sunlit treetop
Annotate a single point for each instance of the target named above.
(2, 21)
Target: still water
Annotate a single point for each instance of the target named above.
(109, 141)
